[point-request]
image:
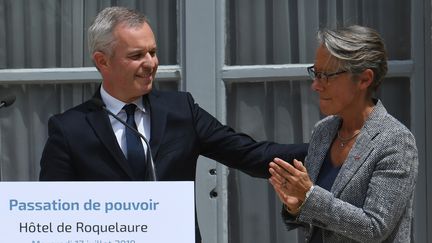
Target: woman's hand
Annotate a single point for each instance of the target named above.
(289, 180)
(291, 204)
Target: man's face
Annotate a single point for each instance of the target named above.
(131, 69)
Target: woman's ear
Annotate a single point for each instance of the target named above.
(100, 60)
(366, 78)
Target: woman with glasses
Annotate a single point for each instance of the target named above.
(357, 182)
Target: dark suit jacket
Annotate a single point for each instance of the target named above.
(82, 146)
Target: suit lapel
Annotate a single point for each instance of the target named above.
(158, 117)
(318, 155)
(356, 158)
(99, 121)
(361, 149)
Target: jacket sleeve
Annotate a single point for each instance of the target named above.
(291, 221)
(238, 150)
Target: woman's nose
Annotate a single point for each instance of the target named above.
(316, 85)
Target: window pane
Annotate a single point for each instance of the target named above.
(52, 33)
(395, 93)
(280, 31)
(273, 110)
(23, 125)
(167, 85)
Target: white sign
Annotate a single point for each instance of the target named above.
(97, 212)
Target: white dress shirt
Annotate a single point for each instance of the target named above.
(142, 119)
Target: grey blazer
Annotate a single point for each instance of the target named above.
(372, 197)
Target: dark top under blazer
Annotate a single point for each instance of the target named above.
(82, 146)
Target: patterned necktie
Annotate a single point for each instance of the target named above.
(135, 149)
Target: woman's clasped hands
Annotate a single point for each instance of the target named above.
(291, 183)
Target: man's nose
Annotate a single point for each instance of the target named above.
(148, 60)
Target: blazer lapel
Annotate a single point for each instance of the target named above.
(361, 149)
(356, 158)
(158, 117)
(318, 153)
(99, 121)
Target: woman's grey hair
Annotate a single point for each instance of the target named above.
(357, 48)
(100, 33)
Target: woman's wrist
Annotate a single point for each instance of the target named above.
(309, 192)
(293, 212)
(296, 211)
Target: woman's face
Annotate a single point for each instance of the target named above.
(338, 93)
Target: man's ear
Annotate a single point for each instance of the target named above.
(366, 78)
(100, 60)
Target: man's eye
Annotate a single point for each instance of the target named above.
(152, 53)
(135, 57)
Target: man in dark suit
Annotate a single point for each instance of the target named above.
(86, 144)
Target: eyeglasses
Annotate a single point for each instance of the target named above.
(322, 77)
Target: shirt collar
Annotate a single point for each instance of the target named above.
(115, 106)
